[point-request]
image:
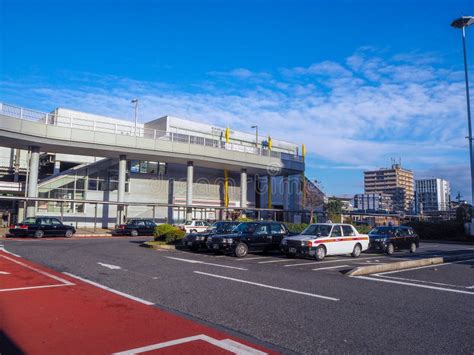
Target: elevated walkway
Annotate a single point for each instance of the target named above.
(21, 128)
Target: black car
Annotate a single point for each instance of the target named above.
(136, 227)
(390, 238)
(195, 241)
(249, 236)
(39, 227)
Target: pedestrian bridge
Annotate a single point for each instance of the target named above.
(22, 128)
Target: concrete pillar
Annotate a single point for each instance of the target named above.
(243, 188)
(32, 188)
(286, 202)
(189, 190)
(121, 186)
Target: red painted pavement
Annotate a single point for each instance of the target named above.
(81, 318)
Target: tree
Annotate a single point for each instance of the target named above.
(334, 210)
(464, 213)
(313, 197)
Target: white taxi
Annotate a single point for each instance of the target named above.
(194, 226)
(321, 239)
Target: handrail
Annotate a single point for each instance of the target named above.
(130, 130)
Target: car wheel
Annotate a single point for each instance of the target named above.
(320, 253)
(193, 231)
(390, 249)
(68, 233)
(134, 233)
(39, 234)
(357, 250)
(413, 247)
(241, 250)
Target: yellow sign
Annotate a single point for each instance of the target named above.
(270, 143)
(227, 135)
(303, 150)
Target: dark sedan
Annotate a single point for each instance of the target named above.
(249, 236)
(39, 227)
(135, 227)
(388, 239)
(196, 241)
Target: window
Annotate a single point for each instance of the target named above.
(276, 228)
(318, 230)
(348, 231)
(336, 231)
(150, 223)
(140, 223)
(198, 224)
(45, 221)
(262, 229)
(30, 220)
(55, 221)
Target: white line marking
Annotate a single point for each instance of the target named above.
(9, 252)
(423, 267)
(426, 282)
(109, 266)
(328, 261)
(273, 261)
(34, 287)
(204, 263)
(110, 289)
(330, 267)
(413, 284)
(39, 271)
(470, 287)
(226, 344)
(267, 286)
(4, 273)
(256, 258)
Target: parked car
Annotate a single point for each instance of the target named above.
(322, 239)
(39, 227)
(196, 241)
(194, 226)
(135, 227)
(249, 236)
(388, 239)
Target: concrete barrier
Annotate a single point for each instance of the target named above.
(401, 265)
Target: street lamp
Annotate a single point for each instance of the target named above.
(135, 101)
(256, 135)
(462, 23)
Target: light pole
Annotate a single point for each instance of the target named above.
(256, 135)
(462, 23)
(135, 101)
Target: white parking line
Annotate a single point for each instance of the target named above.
(204, 263)
(247, 259)
(110, 289)
(421, 281)
(327, 261)
(378, 279)
(268, 286)
(273, 261)
(423, 267)
(331, 267)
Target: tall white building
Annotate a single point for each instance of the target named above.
(432, 194)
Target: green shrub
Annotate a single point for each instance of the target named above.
(244, 219)
(161, 230)
(363, 228)
(296, 227)
(174, 236)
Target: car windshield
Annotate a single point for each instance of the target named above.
(30, 220)
(226, 227)
(188, 223)
(317, 229)
(383, 230)
(245, 228)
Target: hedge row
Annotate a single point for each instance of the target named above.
(438, 230)
(168, 233)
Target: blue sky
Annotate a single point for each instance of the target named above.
(359, 82)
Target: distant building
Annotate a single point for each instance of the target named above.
(373, 202)
(432, 195)
(395, 182)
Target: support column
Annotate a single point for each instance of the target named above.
(32, 188)
(189, 190)
(243, 188)
(286, 202)
(269, 186)
(57, 168)
(121, 186)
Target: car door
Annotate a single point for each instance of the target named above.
(46, 226)
(334, 246)
(150, 227)
(349, 235)
(141, 227)
(57, 227)
(259, 239)
(277, 232)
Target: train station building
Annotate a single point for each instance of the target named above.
(91, 168)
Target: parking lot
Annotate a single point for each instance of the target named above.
(294, 305)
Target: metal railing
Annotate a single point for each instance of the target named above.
(140, 132)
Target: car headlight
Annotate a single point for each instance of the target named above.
(284, 242)
(304, 243)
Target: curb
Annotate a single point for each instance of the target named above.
(158, 246)
(402, 265)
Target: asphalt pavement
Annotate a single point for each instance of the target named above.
(297, 305)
